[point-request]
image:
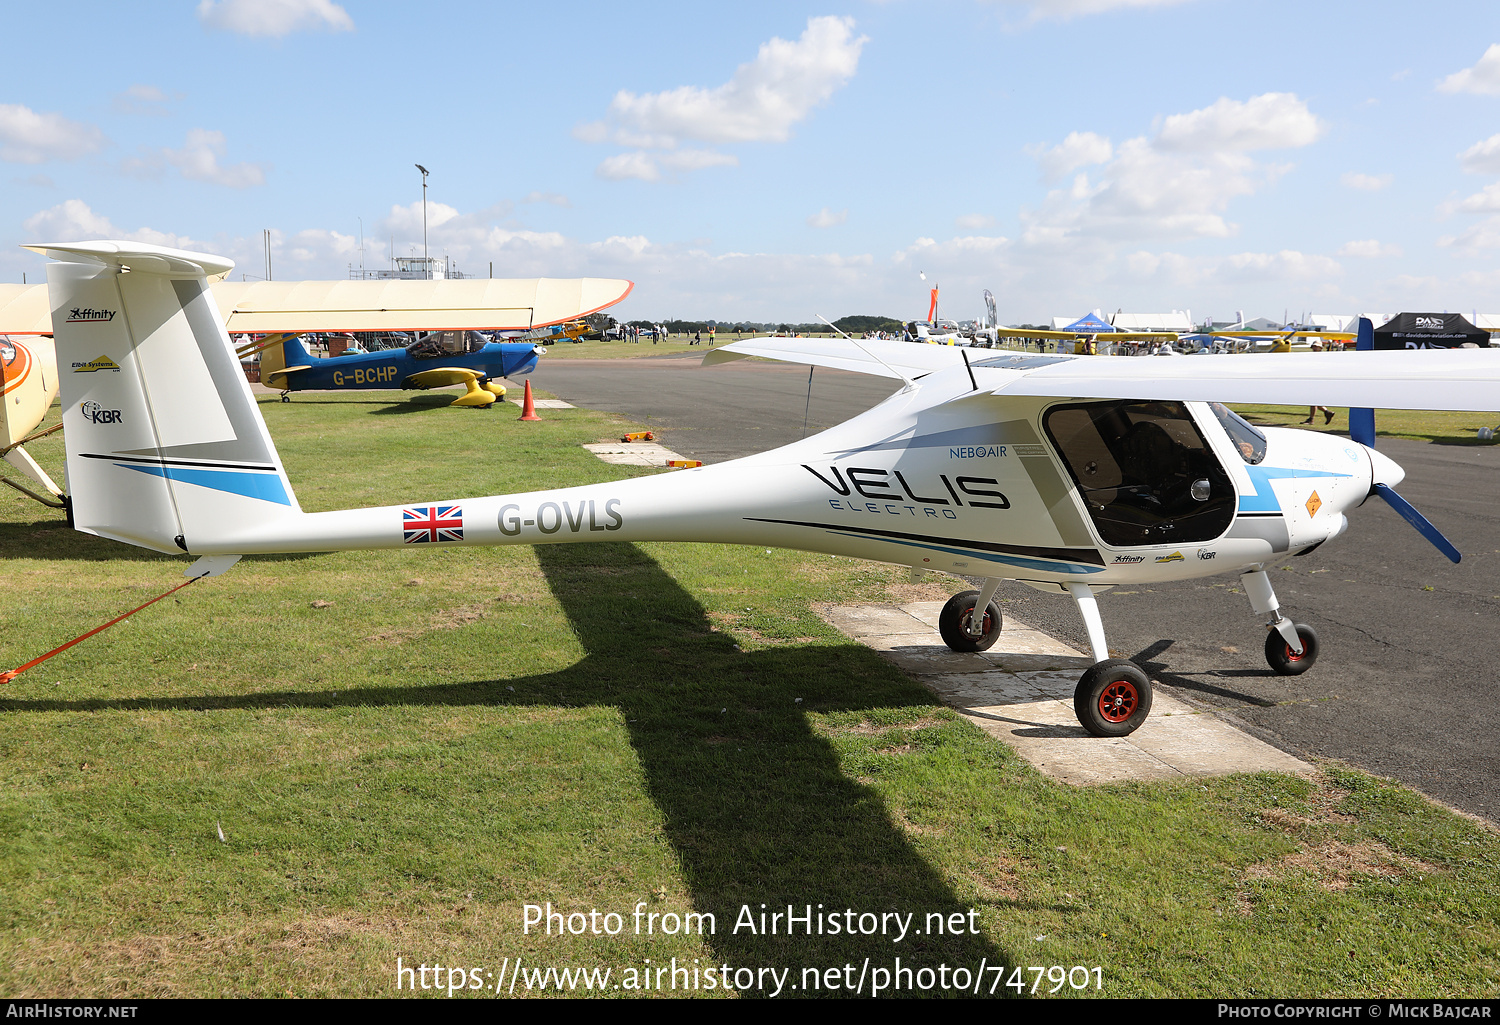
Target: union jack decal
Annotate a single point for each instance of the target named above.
(426, 523)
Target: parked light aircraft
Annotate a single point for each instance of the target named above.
(1072, 475)
(437, 359)
(526, 310)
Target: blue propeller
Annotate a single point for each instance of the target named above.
(1362, 430)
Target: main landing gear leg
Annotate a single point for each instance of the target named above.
(1291, 648)
(1113, 697)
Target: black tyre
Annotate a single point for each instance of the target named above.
(953, 623)
(1279, 654)
(1113, 698)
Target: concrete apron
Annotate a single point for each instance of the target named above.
(1021, 692)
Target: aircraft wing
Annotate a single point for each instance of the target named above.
(1460, 379)
(1113, 336)
(257, 307)
(865, 356)
(442, 377)
(24, 310)
(1338, 336)
(480, 304)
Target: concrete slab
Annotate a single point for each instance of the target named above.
(633, 453)
(543, 403)
(1021, 692)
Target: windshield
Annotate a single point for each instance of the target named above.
(1248, 442)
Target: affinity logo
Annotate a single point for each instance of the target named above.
(102, 363)
(89, 315)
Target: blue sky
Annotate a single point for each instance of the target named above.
(782, 160)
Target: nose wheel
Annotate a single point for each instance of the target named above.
(1283, 659)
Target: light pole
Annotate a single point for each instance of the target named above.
(425, 259)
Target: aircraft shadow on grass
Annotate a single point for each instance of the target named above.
(52, 541)
(753, 799)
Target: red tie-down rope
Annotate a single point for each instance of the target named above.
(6, 677)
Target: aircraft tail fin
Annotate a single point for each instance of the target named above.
(165, 446)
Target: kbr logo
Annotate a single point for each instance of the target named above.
(95, 413)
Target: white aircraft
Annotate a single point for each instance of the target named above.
(1072, 475)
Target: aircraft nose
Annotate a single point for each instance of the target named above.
(1384, 469)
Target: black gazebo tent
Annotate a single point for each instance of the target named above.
(1429, 331)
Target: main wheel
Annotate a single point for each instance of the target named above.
(1113, 698)
(953, 623)
(1280, 656)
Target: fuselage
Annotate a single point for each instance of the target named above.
(393, 368)
(975, 485)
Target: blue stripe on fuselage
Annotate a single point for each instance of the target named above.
(1264, 499)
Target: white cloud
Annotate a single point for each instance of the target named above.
(1369, 248)
(763, 99)
(1365, 182)
(1287, 266)
(629, 165)
(1145, 193)
(1483, 157)
(1268, 121)
(973, 222)
(760, 103)
(73, 221)
(826, 218)
(1176, 185)
(696, 159)
(198, 160)
(1486, 200)
(648, 166)
(1484, 235)
(142, 99)
(27, 137)
(1079, 149)
(553, 198)
(1482, 78)
(1065, 10)
(274, 18)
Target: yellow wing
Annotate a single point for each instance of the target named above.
(462, 304)
(1113, 336)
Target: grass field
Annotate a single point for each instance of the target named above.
(404, 749)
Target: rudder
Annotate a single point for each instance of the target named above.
(164, 443)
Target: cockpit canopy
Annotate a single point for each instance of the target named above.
(1144, 470)
(445, 343)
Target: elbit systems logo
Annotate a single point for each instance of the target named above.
(102, 363)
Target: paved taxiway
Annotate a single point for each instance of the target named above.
(1405, 685)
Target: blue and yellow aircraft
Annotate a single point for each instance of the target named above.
(438, 359)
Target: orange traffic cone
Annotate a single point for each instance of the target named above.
(528, 405)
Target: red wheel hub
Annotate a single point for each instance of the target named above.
(1292, 656)
(963, 622)
(1119, 701)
